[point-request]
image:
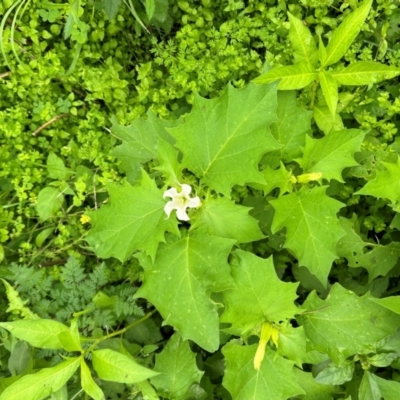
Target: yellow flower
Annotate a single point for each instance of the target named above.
(85, 219)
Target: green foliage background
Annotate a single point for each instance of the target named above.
(101, 74)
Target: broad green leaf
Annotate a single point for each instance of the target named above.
(56, 168)
(110, 7)
(16, 305)
(88, 384)
(344, 35)
(291, 77)
(376, 258)
(178, 283)
(113, 366)
(177, 367)
(274, 380)
(222, 135)
(40, 385)
(70, 339)
(336, 374)
(331, 154)
(150, 8)
(42, 333)
(305, 49)
(324, 120)
(169, 165)
(392, 303)
(48, 202)
(134, 220)
(331, 325)
(222, 217)
(139, 142)
(389, 389)
(19, 358)
(386, 184)
(364, 73)
(259, 295)
(312, 228)
(289, 135)
(313, 389)
(277, 178)
(292, 343)
(161, 11)
(321, 51)
(329, 90)
(369, 389)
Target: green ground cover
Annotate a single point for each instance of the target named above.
(277, 276)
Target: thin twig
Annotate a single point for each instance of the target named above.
(5, 74)
(44, 126)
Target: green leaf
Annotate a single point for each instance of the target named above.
(290, 136)
(42, 333)
(150, 8)
(16, 305)
(291, 77)
(139, 142)
(376, 258)
(292, 343)
(56, 168)
(48, 202)
(88, 384)
(277, 178)
(110, 7)
(222, 135)
(364, 73)
(331, 154)
(336, 374)
(369, 389)
(178, 283)
(274, 380)
(331, 325)
(389, 389)
(386, 184)
(305, 49)
(312, 228)
(113, 366)
(325, 121)
(321, 51)
(221, 217)
(19, 358)
(329, 90)
(177, 367)
(134, 220)
(392, 303)
(70, 339)
(40, 385)
(313, 389)
(259, 295)
(344, 35)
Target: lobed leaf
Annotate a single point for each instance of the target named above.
(221, 135)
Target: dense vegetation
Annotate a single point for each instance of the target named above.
(281, 281)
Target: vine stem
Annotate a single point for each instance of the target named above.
(5, 74)
(313, 94)
(44, 126)
(121, 331)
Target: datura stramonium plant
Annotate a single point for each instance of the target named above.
(181, 201)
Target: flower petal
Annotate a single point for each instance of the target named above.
(169, 207)
(171, 193)
(186, 189)
(193, 202)
(181, 214)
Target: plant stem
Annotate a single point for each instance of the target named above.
(44, 126)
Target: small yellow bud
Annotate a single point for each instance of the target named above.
(305, 178)
(85, 219)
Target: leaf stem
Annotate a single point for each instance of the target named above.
(44, 126)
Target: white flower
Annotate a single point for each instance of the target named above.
(180, 202)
